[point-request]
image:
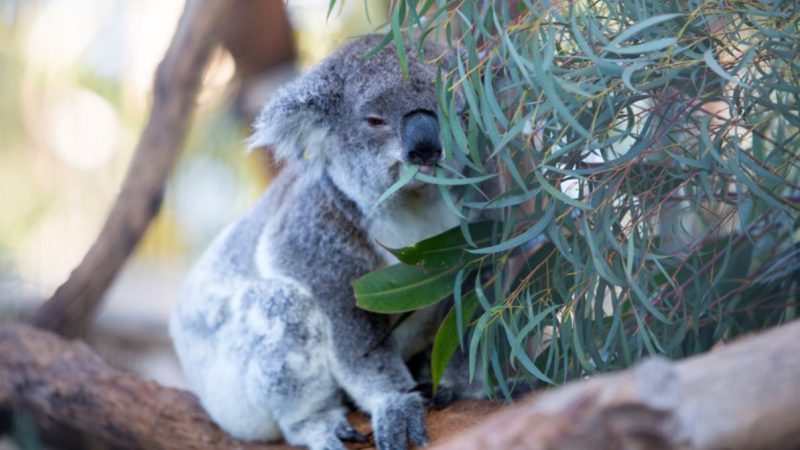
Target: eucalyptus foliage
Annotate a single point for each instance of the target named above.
(635, 166)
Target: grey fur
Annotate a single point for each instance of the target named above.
(266, 327)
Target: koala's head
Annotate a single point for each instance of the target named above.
(358, 117)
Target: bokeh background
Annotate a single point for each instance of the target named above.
(75, 89)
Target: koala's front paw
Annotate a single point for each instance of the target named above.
(399, 419)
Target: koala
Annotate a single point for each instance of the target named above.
(266, 327)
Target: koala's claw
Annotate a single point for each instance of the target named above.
(443, 397)
(345, 432)
(400, 420)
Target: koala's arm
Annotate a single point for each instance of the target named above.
(363, 357)
(369, 360)
(369, 367)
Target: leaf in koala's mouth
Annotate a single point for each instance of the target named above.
(440, 179)
(407, 173)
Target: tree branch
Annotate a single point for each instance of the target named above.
(742, 396)
(66, 382)
(71, 308)
(745, 395)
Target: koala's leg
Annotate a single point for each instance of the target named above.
(372, 371)
(324, 430)
(289, 371)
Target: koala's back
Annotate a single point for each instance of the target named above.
(240, 321)
(248, 327)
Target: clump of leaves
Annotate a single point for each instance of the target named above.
(645, 181)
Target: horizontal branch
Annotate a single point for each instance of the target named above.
(741, 396)
(68, 383)
(65, 381)
(745, 395)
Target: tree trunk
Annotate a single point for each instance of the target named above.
(69, 311)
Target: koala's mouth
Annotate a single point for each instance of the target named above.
(413, 184)
(427, 169)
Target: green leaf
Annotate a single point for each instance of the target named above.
(406, 175)
(532, 232)
(708, 57)
(641, 26)
(628, 73)
(397, 36)
(448, 248)
(521, 354)
(387, 38)
(331, 4)
(557, 193)
(647, 47)
(401, 288)
(447, 196)
(444, 181)
(446, 341)
(545, 79)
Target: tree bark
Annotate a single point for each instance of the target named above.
(742, 396)
(67, 383)
(745, 395)
(71, 308)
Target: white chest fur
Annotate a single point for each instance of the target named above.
(408, 220)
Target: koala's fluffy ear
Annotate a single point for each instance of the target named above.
(296, 123)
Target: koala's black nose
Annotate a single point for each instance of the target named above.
(421, 138)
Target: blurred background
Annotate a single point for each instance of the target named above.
(75, 90)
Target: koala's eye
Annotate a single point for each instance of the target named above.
(375, 122)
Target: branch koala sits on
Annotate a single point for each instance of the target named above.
(266, 327)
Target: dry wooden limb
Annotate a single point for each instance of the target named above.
(71, 308)
(66, 382)
(742, 396)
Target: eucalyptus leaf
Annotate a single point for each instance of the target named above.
(641, 26)
(446, 341)
(406, 175)
(449, 248)
(639, 164)
(401, 287)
